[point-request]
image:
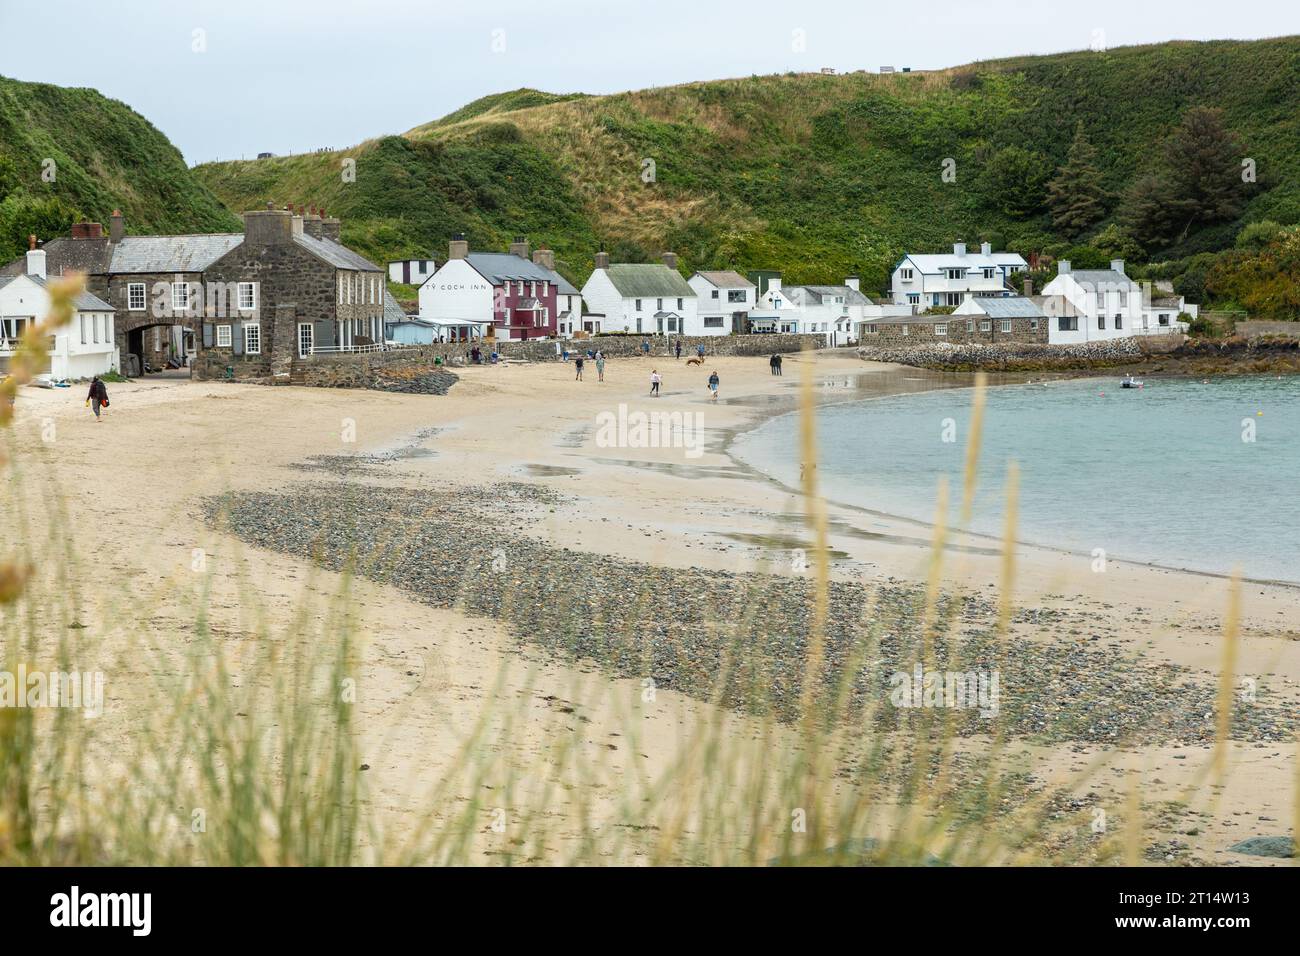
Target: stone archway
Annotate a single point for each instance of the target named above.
(151, 344)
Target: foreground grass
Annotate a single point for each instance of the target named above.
(245, 739)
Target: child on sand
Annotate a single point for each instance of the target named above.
(577, 363)
(600, 366)
(655, 379)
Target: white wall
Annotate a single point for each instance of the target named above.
(456, 291)
(69, 357)
(1123, 299)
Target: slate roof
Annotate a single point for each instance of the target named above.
(499, 267)
(1009, 307)
(392, 310)
(169, 253)
(336, 254)
(84, 302)
(727, 279)
(1099, 277)
(66, 255)
(932, 264)
(814, 294)
(648, 280)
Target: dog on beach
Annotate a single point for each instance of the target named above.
(695, 361)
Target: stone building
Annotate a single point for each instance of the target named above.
(212, 301)
(977, 320)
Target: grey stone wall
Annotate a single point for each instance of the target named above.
(959, 332)
(1011, 355)
(630, 345)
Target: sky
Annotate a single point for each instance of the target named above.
(227, 79)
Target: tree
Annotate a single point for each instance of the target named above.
(1075, 194)
(1198, 182)
(1116, 243)
(1013, 181)
(1205, 171)
(8, 177)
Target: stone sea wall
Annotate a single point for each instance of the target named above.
(1016, 356)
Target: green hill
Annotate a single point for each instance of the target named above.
(72, 153)
(817, 175)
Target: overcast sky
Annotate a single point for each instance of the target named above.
(230, 78)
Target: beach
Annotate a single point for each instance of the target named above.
(504, 550)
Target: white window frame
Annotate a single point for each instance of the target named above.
(184, 304)
(252, 296)
(131, 289)
(941, 328)
(986, 325)
(256, 329)
(223, 336)
(1006, 325)
(905, 275)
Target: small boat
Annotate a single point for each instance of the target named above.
(1130, 382)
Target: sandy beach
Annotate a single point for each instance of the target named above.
(514, 454)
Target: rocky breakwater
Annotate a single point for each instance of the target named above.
(1009, 357)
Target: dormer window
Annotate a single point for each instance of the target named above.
(989, 272)
(959, 273)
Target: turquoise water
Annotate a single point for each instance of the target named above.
(1159, 474)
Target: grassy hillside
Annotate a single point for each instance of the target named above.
(816, 175)
(104, 155)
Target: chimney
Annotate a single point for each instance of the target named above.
(853, 283)
(670, 260)
(1029, 287)
(311, 223)
(268, 227)
(519, 247)
(330, 227)
(602, 260)
(1063, 267)
(458, 248)
(87, 230)
(296, 222)
(35, 259)
(774, 284)
(116, 226)
(1117, 265)
(986, 248)
(959, 248)
(545, 258)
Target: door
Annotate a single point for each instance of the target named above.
(306, 335)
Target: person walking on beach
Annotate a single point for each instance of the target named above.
(678, 350)
(655, 379)
(713, 384)
(777, 360)
(97, 397)
(699, 350)
(771, 363)
(645, 346)
(577, 364)
(600, 366)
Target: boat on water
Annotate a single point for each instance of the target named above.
(1130, 382)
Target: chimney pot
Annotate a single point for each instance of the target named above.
(31, 242)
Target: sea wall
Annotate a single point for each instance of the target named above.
(615, 346)
(1015, 356)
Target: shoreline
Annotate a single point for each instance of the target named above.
(765, 417)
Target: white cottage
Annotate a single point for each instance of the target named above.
(80, 349)
(835, 312)
(723, 301)
(644, 298)
(1102, 304)
(944, 279)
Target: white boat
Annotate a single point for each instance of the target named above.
(1130, 382)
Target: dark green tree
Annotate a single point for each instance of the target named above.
(1014, 178)
(1075, 194)
(1205, 170)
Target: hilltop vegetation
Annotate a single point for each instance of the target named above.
(72, 153)
(817, 175)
